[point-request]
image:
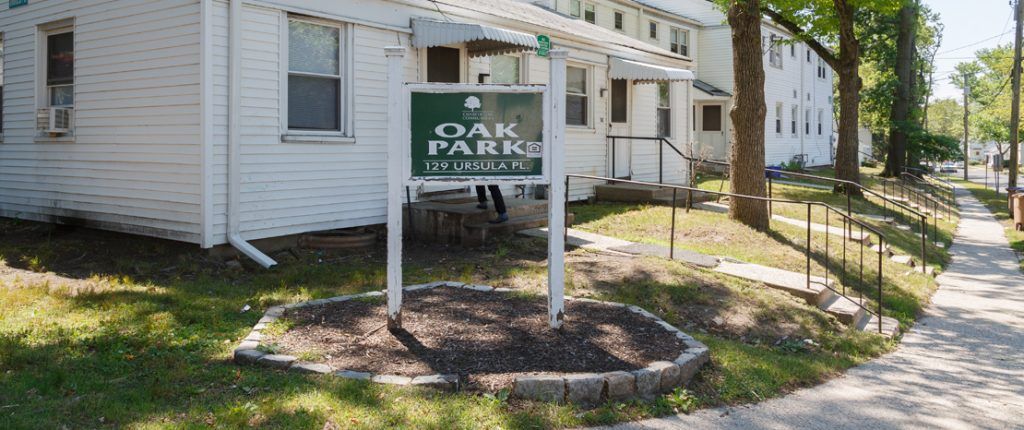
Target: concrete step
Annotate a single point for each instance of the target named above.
(887, 250)
(845, 309)
(580, 239)
(447, 220)
(928, 270)
(477, 234)
(634, 193)
(904, 259)
(869, 323)
(682, 255)
(876, 218)
(791, 282)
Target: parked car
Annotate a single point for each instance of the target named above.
(948, 167)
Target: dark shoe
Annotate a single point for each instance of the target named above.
(481, 206)
(500, 219)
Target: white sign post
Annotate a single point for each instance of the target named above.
(413, 155)
(396, 157)
(556, 192)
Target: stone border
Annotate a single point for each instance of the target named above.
(583, 388)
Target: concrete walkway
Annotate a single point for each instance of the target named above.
(960, 367)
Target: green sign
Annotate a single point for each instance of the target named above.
(545, 45)
(472, 135)
(11, 4)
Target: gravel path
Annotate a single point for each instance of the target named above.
(960, 367)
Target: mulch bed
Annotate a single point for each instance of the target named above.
(484, 337)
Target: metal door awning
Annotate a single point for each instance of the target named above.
(637, 71)
(480, 40)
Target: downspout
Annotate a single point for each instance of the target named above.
(234, 138)
(801, 108)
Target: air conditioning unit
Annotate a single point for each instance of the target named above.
(55, 120)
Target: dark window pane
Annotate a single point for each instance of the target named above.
(664, 122)
(60, 59)
(618, 21)
(620, 100)
(654, 30)
(712, 118)
(575, 110)
(443, 65)
(313, 103)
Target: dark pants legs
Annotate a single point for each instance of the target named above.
(499, 201)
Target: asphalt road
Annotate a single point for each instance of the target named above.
(960, 367)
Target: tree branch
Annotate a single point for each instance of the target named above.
(792, 27)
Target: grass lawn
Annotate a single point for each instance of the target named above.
(103, 330)
(997, 204)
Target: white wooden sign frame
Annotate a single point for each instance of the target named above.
(399, 170)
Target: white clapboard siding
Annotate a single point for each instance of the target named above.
(134, 163)
(290, 188)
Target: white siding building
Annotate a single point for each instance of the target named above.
(798, 90)
(212, 122)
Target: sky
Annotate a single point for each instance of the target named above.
(970, 25)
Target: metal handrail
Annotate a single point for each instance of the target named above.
(946, 193)
(904, 209)
(847, 220)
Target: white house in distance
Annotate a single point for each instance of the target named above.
(798, 89)
(215, 122)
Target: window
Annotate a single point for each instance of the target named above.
(590, 14)
(711, 119)
(792, 50)
(778, 118)
(618, 20)
(808, 55)
(807, 122)
(678, 41)
(574, 8)
(60, 69)
(505, 69)
(664, 109)
(620, 100)
(775, 51)
(576, 97)
(314, 77)
(821, 68)
(653, 30)
(794, 113)
(821, 116)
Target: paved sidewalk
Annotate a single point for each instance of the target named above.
(960, 367)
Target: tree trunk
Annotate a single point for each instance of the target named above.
(847, 167)
(899, 116)
(748, 115)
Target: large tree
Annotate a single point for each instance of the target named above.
(899, 115)
(824, 25)
(748, 114)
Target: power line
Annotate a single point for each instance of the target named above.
(976, 43)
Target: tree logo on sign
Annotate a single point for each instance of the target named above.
(472, 103)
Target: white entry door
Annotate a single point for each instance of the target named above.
(620, 126)
(711, 132)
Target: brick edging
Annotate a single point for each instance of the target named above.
(657, 377)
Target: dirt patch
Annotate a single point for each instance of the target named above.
(485, 337)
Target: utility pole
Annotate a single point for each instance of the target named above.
(967, 115)
(1018, 13)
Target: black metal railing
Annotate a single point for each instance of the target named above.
(848, 224)
(890, 207)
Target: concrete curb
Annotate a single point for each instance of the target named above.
(582, 388)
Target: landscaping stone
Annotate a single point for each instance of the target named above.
(438, 382)
(304, 367)
(391, 379)
(670, 376)
(648, 382)
(254, 336)
(584, 388)
(274, 311)
(620, 385)
(481, 288)
(248, 356)
(277, 361)
(248, 344)
(543, 388)
(351, 374)
(689, 364)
